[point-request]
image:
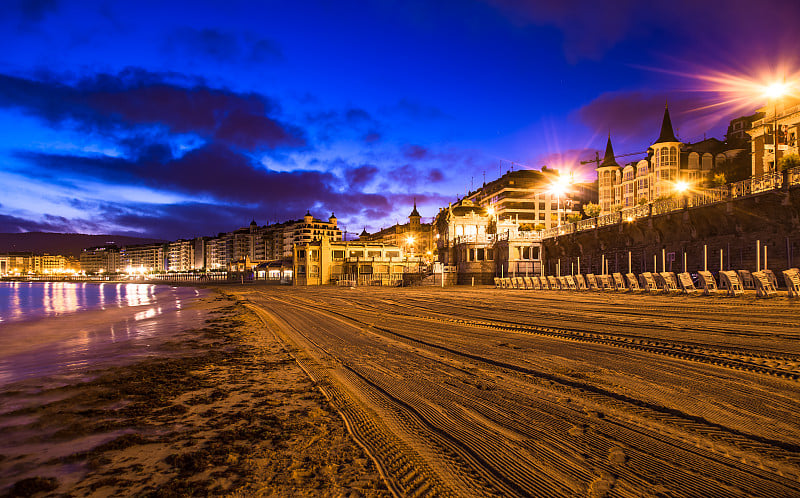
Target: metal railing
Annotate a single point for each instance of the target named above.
(764, 183)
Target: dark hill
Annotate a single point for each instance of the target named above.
(67, 244)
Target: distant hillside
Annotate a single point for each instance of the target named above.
(67, 244)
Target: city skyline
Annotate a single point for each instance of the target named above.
(185, 120)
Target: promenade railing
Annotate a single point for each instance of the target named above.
(756, 185)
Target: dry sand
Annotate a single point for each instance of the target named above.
(224, 410)
(486, 392)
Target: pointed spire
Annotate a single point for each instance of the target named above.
(608, 159)
(667, 135)
(414, 212)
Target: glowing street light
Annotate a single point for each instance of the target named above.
(776, 90)
(559, 188)
(681, 186)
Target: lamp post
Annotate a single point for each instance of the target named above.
(774, 92)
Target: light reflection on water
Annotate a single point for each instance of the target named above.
(29, 300)
(62, 327)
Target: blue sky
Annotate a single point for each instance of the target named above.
(179, 119)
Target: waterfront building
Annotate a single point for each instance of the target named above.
(668, 162)
(478, 246)
(538, 199)
(180, 255)
(144, 257)
(100, 259)
(415, 237)
(325, 261)
(779, 119)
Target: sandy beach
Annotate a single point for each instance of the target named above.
(223, 409)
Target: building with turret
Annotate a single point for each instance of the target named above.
(668, 162)
(414, 237)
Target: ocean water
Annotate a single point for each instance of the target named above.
(70, 328)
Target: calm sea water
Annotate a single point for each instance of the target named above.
(53, 328)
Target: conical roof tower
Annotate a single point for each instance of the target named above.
(608, 159)
(667, 135)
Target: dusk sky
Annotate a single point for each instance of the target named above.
(176, 119)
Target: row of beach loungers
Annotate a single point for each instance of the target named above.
(732, 283)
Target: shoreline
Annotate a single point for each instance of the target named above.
(224, 409)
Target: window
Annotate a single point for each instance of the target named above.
(673, 156)
(481, 254)
(356, 254)
(489, 254)
(338, 254)
(301, 254)
(313, 254)
(374, 254)
(392, 254)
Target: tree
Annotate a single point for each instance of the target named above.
(719, 180)
(788, 161)
(642, 201)
(591, 209)
(574, 217)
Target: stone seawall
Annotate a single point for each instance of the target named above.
(733, 229)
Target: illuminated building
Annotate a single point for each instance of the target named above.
(785, 114)
(324, 261)
(180, 255)
(147, 257)
(528, 197)
(99, 259)
(668, 162)
(415, 237)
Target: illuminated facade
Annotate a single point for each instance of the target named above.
(528, 197)
(146, 257)
(100, 259)
(415, 237)
(326, 261)
(668, 161)
(785, 115)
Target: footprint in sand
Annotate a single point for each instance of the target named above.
(617, 456)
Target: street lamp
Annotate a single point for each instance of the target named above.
(774, 92)
(559, 188)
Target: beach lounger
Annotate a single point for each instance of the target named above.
(562, 282)
(536, 284)
(633, 283)
(707, 282)
(648, 282)
(619, 281)
(527, 282)
(544, 282)
(792, 279)
(519, 283)
(687, 286)
(497, 283)
(580, 282)
(571, 282)
(604, 282)
(591, 282)
(772, 278)
(729, 281)
(553, 283)
(670, 285)
(747, 279)
(764, 287)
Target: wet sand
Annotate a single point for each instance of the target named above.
(223, 409)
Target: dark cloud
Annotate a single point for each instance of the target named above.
(435, 175)
(222, 46)
(111, 104)
(416, 152)
(360, 176)
(330, 125)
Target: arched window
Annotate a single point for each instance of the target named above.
(673, 156)
(665, 157)
(720, 160)
(694, 160)
(706, 161)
